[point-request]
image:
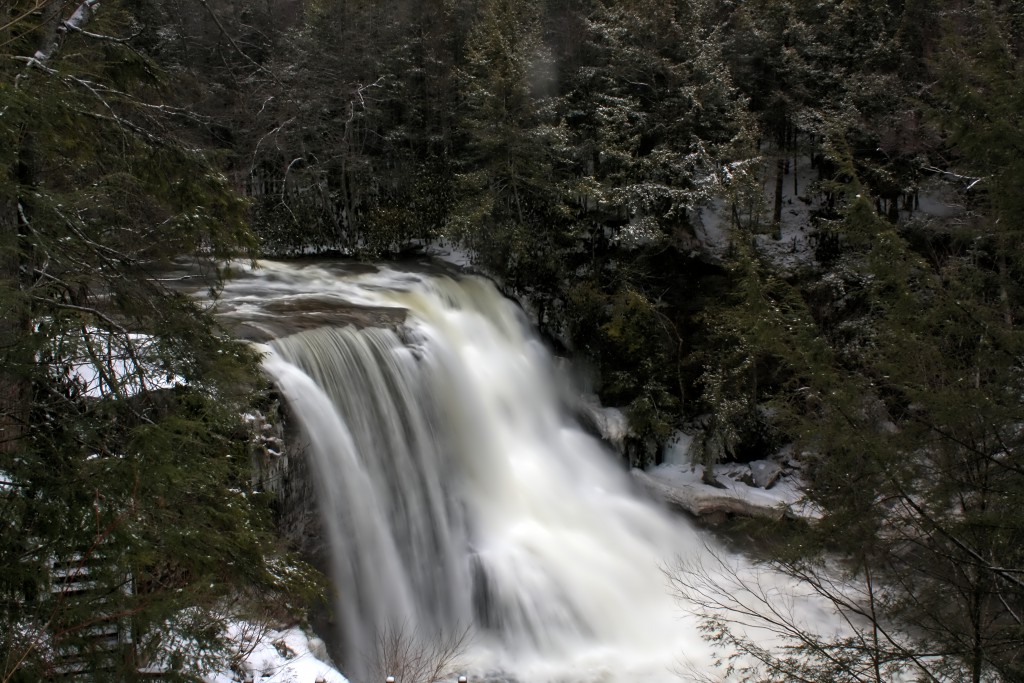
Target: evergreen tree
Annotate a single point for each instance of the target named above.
(656, 134)
(124, 459)
(896, 368)
(511, 209)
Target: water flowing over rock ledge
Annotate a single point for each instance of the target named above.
(298, 316)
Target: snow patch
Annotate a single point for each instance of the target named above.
(287, 656)
(107, 364)
(677, 449)
(787, 493)
(936, 199)
(447, 252)
(712, 229)
(794, 247)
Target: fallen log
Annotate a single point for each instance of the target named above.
(701, 500)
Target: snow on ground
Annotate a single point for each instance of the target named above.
(286, 656)
(113, 364)
(936, 199)
(795, 247)
(712, 229)
(677, 450)
(786, 490)
(447, 252)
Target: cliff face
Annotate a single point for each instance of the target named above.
(280, 468)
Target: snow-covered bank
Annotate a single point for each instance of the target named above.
(771, 488)
(448, 252)
(682, 486)
(286, 656)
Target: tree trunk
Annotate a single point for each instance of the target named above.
(780, 173)
(1004, 280)
(15, 316)
(796, 160)
(13, 328)
(16, 260)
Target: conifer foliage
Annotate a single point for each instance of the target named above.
(127, 523)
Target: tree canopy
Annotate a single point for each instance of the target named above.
(124, 458)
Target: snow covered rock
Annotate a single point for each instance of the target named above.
(287, 656)
(611, 424)
(681, 486)
(765, 473)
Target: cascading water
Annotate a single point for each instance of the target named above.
(458, 491)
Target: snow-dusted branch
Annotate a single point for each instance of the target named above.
(971, 182)
(256, 150)
(101, 36)
(82, 15)
(360, 89)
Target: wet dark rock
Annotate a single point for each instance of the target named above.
(280, 319)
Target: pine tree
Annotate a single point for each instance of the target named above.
(510, 208)
(125, 458)
(895, 365)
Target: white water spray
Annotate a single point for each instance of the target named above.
(458, 490)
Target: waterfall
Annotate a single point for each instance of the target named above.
(458, 491)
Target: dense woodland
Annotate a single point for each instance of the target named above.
(630, 167)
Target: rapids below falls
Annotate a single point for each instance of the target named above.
(458, 490)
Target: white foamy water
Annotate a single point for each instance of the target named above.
(458, 491)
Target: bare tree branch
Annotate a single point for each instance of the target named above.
(230, 39)
(414, 657)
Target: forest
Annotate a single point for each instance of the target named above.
(768, 222)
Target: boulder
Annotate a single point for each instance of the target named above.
(765, 473)
(611, 424)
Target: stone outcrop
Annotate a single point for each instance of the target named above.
(307, 314)
(282, 470)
